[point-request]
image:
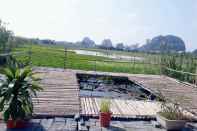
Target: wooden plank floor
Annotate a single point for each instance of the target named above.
(60, 96)
(120, 108)
(184, 94)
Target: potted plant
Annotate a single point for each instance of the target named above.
(171, 117)
(105, 113)
(16, 92)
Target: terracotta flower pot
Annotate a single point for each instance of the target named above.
(17, 124)
(105, 118)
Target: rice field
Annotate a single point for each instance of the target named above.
(58, 58)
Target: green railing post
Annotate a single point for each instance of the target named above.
(95, 63)
(30, 57)
(195, 77)
(134, 64)
(65, 58)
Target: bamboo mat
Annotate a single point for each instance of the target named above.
(120, 108)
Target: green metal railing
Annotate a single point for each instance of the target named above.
(96, 65)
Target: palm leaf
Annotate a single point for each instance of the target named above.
(17, 92)
(25, 73)
(9, 74)
(6, 115)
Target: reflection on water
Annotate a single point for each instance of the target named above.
(108, 55)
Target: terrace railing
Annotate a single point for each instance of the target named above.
(153, 66)
(181, 75)
(164, 69)
(11, 57)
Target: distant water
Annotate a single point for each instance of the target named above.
(111, 55)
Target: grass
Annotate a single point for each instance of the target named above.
(55, 57)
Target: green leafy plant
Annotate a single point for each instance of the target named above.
(16, 92)
(171, 111)
(105, 106)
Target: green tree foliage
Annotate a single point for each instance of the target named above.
(5, 35)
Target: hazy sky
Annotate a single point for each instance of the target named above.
(127, 21)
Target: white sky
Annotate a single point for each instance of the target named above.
(127, 21)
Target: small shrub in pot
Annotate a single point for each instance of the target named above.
(171, 116)
(105, 113)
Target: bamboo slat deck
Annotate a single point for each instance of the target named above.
(60, 96)
(184, 94)
(120, 108)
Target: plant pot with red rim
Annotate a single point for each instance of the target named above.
(16, 92)
(105, 113)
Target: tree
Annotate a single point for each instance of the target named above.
(107, 44)
(195, 52)
(120, 46)
(87, 42)
(133, 47)
(5, 35)
(17, 41)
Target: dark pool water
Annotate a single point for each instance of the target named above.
(111, 87)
